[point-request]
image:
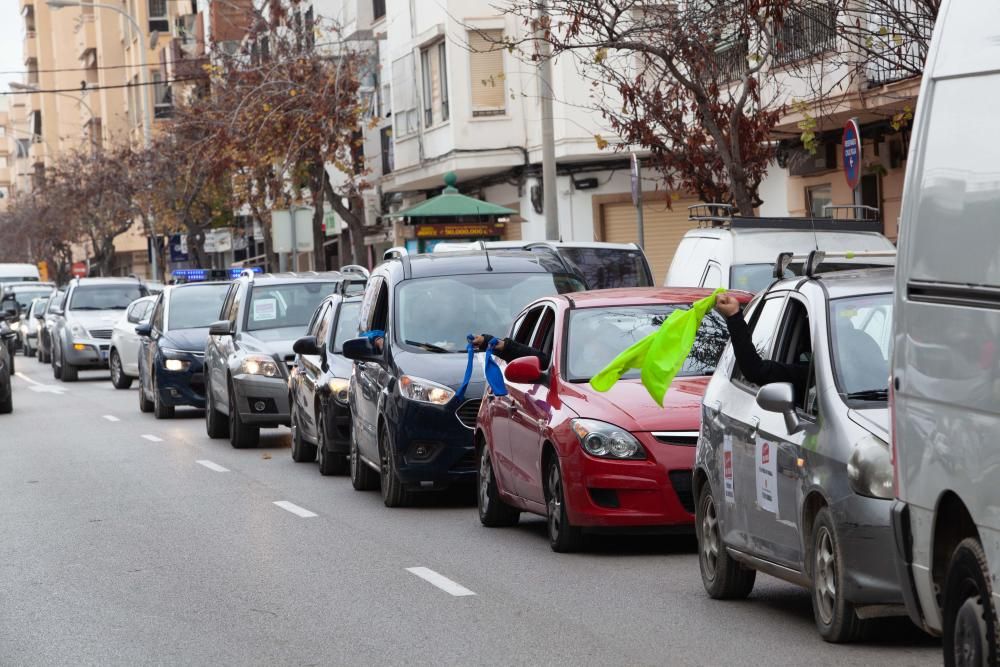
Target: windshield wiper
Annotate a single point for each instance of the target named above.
(86, 308)
(869, 395)
(427, 346)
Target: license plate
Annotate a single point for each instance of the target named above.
(104, 355)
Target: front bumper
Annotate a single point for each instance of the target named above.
(185, 387)
(93, 353)
(610, 493)
(434, 449)
(261, 400)
(863, 527)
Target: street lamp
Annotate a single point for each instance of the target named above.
(147, 120)
(31, 88)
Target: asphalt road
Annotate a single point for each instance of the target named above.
(128, 540)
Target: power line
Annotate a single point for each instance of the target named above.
(83, 70)
(126, 85)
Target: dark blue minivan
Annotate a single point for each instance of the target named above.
(411, 431)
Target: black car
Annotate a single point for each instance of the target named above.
(172, 347)
(318, 386)
(409, 426)
(7, 336)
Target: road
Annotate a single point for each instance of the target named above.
(128, 540)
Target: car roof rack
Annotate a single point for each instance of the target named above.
(551, 247)
(815, 258)
(838, 218)
(356, 269)
(250, 274)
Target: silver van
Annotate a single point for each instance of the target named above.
(946, 349)
(736, 252)
(795, 481)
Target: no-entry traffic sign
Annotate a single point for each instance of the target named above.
(852, 153)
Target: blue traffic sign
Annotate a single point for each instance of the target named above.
(852, 154)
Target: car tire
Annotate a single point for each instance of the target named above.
(969, 629)
(836, 618)
(493, 511)
(723, 577)
(70, 373)
(56, 368)
(394, 494)
(28, 350)
(363, 478)
(160, 410)
(216, 424)
(145, 405)
(563, 536)
(7, 404)
(302, 451)
(118, 377)
(241, 436)
(329, 463)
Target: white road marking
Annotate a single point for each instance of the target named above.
(294, 509)
(27, 379)
(212, 466)
(151, 438)
(47, 389)
(112, 418)
(441, 581)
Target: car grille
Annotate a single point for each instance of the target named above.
(103, 334)
(467, 413)
(469, 461)
(684, 438)
(681, 480)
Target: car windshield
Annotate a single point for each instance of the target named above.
(196, 306)
(55, 301)
(25, 295)
(436, 314)
(290, 305)
(598, 335)
(605, 268)
(861, 331)
(756, 277)
(39, 307)
(105, 297)
(347, 324)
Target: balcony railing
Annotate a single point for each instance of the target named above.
(730, 61)
(807, 30)
(899, 38)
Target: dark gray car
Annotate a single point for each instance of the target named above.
(798, 484)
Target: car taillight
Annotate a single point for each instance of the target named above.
(894, 453)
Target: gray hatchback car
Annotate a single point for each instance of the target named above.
(800, 486)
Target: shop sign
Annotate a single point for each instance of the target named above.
(453, 231)
(852, 153)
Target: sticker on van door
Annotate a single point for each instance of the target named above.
(727, 467)
(767, 476)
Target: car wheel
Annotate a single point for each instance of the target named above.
(723, 577)
(7, 404)
(69, 372)
(493, 511)
(394, 494)
(302, 451)
(363, 478)
(241, 436)
(160, 410)
(56, 367)
(563, 536)
(145, 405)
(10, 353)
(216, 424)
(836, 618)
(28, 350)
(118, 377)
(970, 620)
(329, 463)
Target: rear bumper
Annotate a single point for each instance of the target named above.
(607, 493)
(338, 419)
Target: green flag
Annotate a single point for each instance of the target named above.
(661, 354)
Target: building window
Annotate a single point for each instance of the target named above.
(385, 135)
(487, 73)
(818, 197)
(404, 97)
(378, 9)
(29, 20)
(35, 123)
(162, 103)
(158, 21)
(434, 74)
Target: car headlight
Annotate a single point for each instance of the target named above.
(606, 440)
(16, 326)
(261, 365)
(176, 364)
(338, 388)
(425, 391)
(869, 468)
(78, 331)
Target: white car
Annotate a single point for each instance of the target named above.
(738, 253)
(124, 355)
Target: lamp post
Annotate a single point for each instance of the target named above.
(147, 120)
(31, 88)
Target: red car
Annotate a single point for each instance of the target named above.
(585, 459)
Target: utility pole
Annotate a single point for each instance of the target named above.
(550, 201)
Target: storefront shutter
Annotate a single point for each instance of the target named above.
(663, 230)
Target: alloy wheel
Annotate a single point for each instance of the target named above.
(710, 538)
(555, 501)
(485, 479)
(825, 567)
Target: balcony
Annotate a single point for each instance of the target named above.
(86, 36)
(807, 30)
(30, 46)
(896, 52)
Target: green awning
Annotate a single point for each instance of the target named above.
(452, 204)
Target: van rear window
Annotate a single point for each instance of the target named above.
(606, 268)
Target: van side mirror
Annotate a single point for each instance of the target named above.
(144, 329)
(361, 349)
(780, 397)
(526, 370)
(222, 328)
(306, 345)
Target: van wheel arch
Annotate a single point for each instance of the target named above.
(952, 524)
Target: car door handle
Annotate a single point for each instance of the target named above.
(754, 428)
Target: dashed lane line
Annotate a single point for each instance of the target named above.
(295, 509)
(441, 581)
(112, 418)
(151, 438)
(212, 466)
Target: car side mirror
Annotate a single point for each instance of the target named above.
(361, 349)
(221, 328)
(526, 370)
(306, 345)
(780, 397)
(144, 329)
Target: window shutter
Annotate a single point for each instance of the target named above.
(487, 74)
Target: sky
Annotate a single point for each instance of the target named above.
(10, 42)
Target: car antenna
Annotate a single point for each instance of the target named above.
(482, 244)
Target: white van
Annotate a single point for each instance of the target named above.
(739, 253)
(19, 273)
(946, 356)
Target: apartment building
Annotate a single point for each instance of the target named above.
(8, 155)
